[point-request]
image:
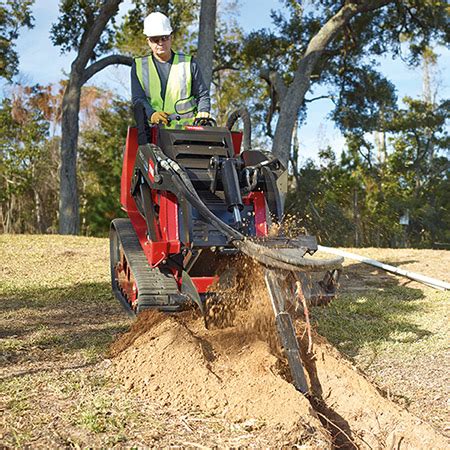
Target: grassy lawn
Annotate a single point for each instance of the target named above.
(58, 318)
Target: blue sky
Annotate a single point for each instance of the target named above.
(40, 62)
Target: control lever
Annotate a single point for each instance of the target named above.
(174, 116)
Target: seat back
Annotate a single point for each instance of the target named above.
(194, 148)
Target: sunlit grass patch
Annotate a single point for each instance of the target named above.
(397, 319)
(77, 398)
(54, 295)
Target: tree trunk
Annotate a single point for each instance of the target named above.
(206, 38)
(9, 220)
(288, 116)
(68, 202)
(295, 155)
(69, 222)
(356, 241)
(37, 202)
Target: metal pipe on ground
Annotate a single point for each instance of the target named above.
(433, 282)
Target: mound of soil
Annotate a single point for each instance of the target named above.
(217, 373)
(236, 371)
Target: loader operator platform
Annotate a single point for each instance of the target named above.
(165, 84)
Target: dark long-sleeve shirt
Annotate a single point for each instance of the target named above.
(198, 87)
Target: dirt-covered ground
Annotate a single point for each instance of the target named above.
(73, 372)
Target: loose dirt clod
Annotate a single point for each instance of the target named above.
(235, 370)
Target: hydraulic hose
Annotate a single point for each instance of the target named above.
(277, 258)
(196, 201)
(245, 116)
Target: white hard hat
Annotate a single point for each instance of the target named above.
(157, 24)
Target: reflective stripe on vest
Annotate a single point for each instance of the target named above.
(178, 98)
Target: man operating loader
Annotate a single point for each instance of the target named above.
(167, 87)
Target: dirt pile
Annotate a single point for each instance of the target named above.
(218, 373)
(235, 370)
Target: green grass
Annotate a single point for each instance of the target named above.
(58, 318)
(398, 320)
(100, 415)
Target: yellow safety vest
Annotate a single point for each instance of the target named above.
(178, 98)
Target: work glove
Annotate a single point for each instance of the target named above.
(160, 117)
(204, 119)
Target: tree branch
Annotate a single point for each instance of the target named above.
(272, 108)
(277, 88)
(225, 67)
(91, 70)
(92, 36)
(372, 5)
(366, 157)
(274, 79)
(310, 100)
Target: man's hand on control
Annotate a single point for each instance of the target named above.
(160, 117)
(203, 115)
(204, 119)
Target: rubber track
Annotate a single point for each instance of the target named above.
(156, 289)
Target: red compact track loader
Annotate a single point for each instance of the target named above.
(194, 198)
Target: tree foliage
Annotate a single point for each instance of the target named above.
(359, 199)
(100, 168)
(74, 22)
(27, 160)
(336, 46)
(393, 163)
(13, 16)
(29, 157)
